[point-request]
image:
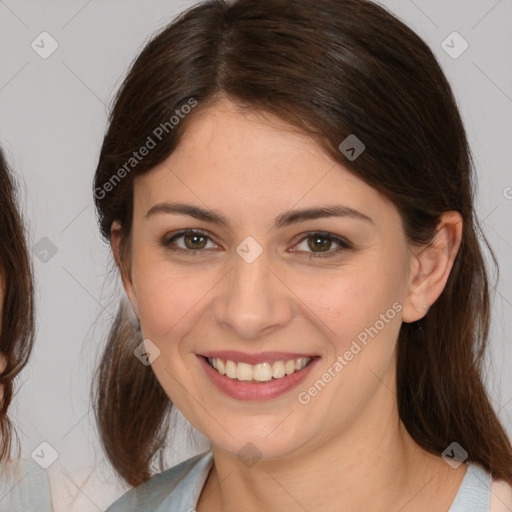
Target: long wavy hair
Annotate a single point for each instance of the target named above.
(17, 319)
(330, 68)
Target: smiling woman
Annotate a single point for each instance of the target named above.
(307, 230)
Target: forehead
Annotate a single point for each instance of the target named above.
(242, 161)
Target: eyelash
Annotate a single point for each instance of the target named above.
(344, 244)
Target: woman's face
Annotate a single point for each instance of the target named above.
(268, 286)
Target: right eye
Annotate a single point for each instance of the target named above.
(193, 241)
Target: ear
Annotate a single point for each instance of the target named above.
(122, 265)
(431, 266)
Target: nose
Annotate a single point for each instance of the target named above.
(253, 300)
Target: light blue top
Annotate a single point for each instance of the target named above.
(178, 489)
(24, 487)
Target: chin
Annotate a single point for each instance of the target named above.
(257, 441)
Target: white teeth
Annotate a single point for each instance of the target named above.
(289, 367)
(278, 370)
(243, 371)
(261, 372)
(300, 363)
(231, 369)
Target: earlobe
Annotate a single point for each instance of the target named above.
(431, 266)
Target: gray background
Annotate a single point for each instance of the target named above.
(52, 120)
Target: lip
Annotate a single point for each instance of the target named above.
(256, 390)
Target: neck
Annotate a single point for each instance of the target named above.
(373, 465)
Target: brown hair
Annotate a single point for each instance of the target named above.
(17, 324)
(331, 68)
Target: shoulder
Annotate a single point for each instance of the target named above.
(24, 487)
(179, 486)
(479, 492)
(501, 496)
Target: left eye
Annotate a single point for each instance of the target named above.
(323, 242)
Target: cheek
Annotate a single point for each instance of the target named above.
(347, 302)
(165, 302)
(169, 296)
(360, 310)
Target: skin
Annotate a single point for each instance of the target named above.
(346, 449)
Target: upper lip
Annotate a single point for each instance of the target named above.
(262, 357)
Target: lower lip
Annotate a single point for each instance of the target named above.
(243, 390)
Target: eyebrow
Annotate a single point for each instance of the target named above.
(284, 219)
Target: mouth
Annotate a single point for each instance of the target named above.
(256, 377)
(261, 372)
